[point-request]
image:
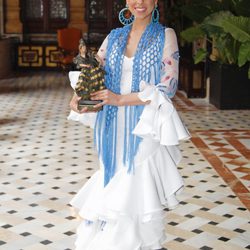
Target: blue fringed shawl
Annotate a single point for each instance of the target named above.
(147, 59)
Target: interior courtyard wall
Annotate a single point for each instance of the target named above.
(14, 26)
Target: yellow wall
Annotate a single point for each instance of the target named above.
(12, 14)
(77, 11)
(14, 25)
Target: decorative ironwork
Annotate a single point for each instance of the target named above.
(44, 16)
(38, 56)
(30, 56)
(34, 9)
(102, 17)
(97, 9)
(52, 56)
(58, 9)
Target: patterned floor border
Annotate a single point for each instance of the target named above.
(221, 168)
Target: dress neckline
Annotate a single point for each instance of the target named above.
(132, 57)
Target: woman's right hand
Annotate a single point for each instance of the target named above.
(74, 105)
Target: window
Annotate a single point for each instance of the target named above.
(102, 16)
(44, 16)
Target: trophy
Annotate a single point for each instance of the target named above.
(91, 78)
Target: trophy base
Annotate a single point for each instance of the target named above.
(88, 104)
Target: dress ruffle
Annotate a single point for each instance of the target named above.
(159, 120)
(131, 203)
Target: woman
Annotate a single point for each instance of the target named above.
(135, 135)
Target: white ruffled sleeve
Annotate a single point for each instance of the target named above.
(88, 119)
(160, 120)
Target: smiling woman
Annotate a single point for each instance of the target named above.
(136, 136)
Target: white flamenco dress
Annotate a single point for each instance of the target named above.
(128, 214)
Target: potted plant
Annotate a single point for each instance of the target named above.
(225, 26)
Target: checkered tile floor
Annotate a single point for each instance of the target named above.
(45, 159)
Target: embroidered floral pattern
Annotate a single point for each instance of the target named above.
(176, 55)
(169, 65)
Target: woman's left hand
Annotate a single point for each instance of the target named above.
(107, 97)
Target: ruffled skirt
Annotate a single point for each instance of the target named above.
(128, 214)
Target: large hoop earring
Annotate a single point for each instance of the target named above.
(126, 17)
(155, 15)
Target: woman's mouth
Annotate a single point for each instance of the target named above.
(140, 9)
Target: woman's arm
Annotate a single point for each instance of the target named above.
(170, 65)
(110, 98)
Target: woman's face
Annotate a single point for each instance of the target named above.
(142, 9)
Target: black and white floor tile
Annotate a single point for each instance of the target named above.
(45, 159)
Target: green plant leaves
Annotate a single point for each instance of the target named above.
(244, 54)
(200, 55)
(193, 33)
(238, 27)
(217, 18)
(227, 49)
(229, 34)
